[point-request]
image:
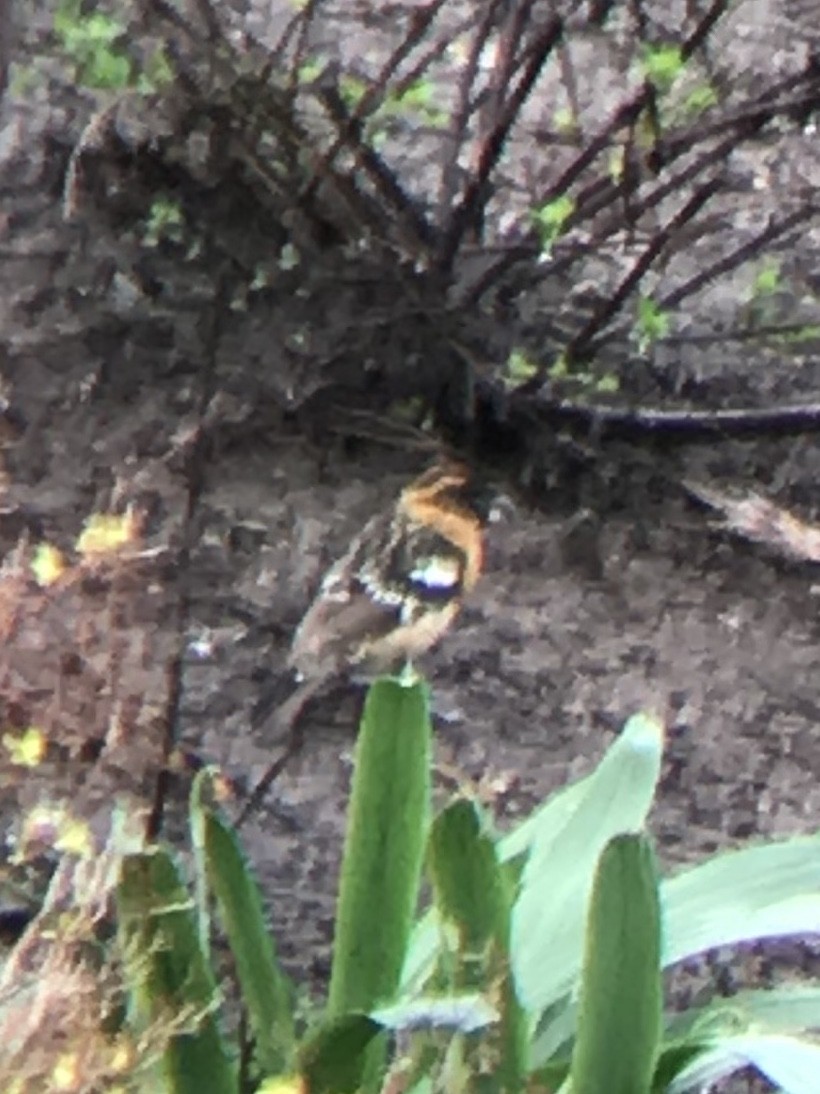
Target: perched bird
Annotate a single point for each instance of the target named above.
(393, 595)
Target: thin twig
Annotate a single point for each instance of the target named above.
(383, 178)
(217, 315)
(463, 111)
(474, 194)
(625, 116)
(584, 342)
(740, 255)
(350, 131)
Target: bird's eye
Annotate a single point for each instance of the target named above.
(436, 573)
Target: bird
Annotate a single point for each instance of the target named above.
(392, 596)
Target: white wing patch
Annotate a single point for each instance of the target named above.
(391, 598)
(437, 572)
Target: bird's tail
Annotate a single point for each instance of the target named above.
(275, 694)
(283, 719)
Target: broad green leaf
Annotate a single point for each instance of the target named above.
(266, 991)
(766, 891)
(552, 816)
(548, 918)
(554, 813)
(792, 1065)
(168, 979)
(619, 1023)
(761, 892)
(420, 962)
(789, 1009)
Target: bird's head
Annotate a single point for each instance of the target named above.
(452, 486)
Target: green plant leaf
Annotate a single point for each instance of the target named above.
(698, 1041)
(791, 1064)
(550, 219)
(333, 1059)
(387, 824)
(768, 280)
(548, 917)
(169, 980)
(607, 385)
(619, 1023)
(388, 819)
(266, 991)
(519, 367)
(767, 891)
(196, 821)
(513, 847)
(699, 100)
(652, 323)
(760, 892)
(469, 888)
(774, 1010)
(107, 71)
(554, 813)
(662, 64)
(473, 890)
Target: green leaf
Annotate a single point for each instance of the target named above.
(107, 70)
(608, 385)
(474, 891)
(759, 892)
(89, 41)
(767, 891)
(554, 813)
(387, 826)
(662, 64)
(696, 1039)
(469, 888)
(652, 323)
(167, 975)
(266, 991)
(388, 818)
(792, 1065)
(768, 280)
(548, 918)
(519, 367)
(352, 89)
(700, 99)
(333, 1059)
(515, 846)
(159, 71)
(550, 219)
(619, 1024)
